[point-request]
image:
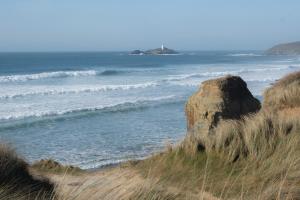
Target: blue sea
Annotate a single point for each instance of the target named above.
(93, 109)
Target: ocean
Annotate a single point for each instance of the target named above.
(93, 109)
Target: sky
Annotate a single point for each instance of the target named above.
(117, 25)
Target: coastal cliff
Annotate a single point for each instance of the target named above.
(285, 49)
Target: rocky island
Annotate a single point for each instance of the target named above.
(159, 51)
(290, 49)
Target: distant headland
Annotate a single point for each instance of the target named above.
(159, 51)
(290, 49)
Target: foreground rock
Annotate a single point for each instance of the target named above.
(223, 98)
(285, 49)
(214, 113)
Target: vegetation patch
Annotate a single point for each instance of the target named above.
(16, 182)
(51, 166)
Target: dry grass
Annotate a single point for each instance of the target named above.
(16, 182)
(51, 166)
(256, 157)
(284, 94)
(119, 183)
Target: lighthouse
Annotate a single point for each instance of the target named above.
(162, 47)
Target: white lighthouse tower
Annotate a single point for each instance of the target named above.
(162, 47)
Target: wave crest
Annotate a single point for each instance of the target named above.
(224, 73)
(119, 107)
(109, 72)
(44, 75)
(243, 54)
(74, 89)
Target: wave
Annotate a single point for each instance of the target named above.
(191, 79)
(44, 75)
(119, 107)
(244, 54)
(75, 89)
(64, 74)
(110, 72)
(101, 163)
(224, 73)
(196, 83)
(262, 80)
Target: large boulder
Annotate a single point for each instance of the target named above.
(222, 98)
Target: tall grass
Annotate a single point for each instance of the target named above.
(284, 94)
(257, 157)
(16, 182)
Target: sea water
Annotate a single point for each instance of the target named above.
(93, 109)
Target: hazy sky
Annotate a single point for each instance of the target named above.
(89, 25)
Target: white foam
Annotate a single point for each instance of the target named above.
(265, 68)
(243, 54)
(26, 111)
(196, 83)
(269, 79)
(73, 89)
(43, 75)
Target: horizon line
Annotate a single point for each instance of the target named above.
(120, 51)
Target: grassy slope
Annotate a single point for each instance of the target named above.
(118, 183)
(253, 158)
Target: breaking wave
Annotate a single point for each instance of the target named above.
(57, 90)
(224, 73)
(45, 75)
(243, 54)
(118, 107)
(110, 72)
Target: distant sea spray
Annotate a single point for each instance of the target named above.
(244, 54)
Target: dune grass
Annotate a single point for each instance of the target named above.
(256, 157)
(16, 182)
(284, 94)
(52, 166)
